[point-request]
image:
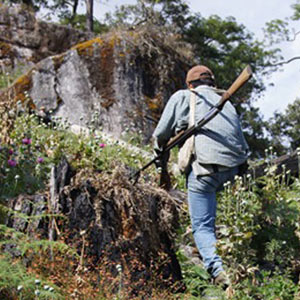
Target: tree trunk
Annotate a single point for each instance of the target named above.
(89, 15)
(284, 163)
(74, 10)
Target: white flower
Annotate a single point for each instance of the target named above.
(20, 288)
(46, 287)
(119, 268)
(37, 282)
(37, 292)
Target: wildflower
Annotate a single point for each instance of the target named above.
(46, 287)
(17, 177)
(119, 268)
(20, 288)
(26, 141)
(12, 162)
(102, 145)
(37, 292)
(51, 289)
(40, 160)
(10, 151)
(37, 282)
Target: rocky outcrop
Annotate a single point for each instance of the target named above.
(120, 81)
(25, 39)
(110, 222)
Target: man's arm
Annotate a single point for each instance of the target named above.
(164, 131)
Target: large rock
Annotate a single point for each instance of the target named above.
(122, 78)
(115, 223)
(25, 39)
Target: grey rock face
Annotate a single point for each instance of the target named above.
(106, 79)
(27, 40)
(120, 77)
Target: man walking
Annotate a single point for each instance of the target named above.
(219, 148)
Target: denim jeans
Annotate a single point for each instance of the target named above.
(202, 207)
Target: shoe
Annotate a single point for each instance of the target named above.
(222, 280)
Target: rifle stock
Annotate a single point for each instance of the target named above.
(184, 135)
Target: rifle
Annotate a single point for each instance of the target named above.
(184, 135)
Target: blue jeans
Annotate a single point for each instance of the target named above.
(202, 207)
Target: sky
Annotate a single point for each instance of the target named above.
(253, 14)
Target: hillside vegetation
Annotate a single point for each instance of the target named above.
(258, 225)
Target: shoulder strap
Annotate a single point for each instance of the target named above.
(192, 108)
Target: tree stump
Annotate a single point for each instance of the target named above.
(112, 224)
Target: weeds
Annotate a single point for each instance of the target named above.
(258, 225)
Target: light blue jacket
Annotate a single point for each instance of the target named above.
(220, 142)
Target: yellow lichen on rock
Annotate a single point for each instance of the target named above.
(5, 50)
(58, 60)
(20, 88)
(87, 48)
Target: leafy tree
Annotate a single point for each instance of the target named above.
(296, 8)
(284, 128)
(79, 22)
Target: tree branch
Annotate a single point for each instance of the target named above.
(284, 62)
(295, 36)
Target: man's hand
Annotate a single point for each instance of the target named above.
(162, 167)
(165, 180)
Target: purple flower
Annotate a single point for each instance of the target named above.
(102, 145)
(26, 141)
(12, 162)
(11, 151)
(40, 160)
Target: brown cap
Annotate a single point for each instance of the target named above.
(199, 72)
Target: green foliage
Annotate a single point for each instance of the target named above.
(286, 127)
(79, 22)
(23, 167)
(258, 233)
(296, 8)
(7, 78)
(17, 283)
(258, 224)
(267, 286)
